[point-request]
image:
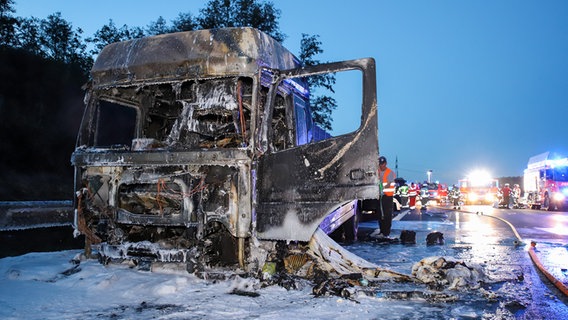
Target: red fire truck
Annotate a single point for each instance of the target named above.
(479, 188)
(546, 182)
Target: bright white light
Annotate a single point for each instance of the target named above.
(473, 197)
(560, 218)
(558, 196)
(479, 178)
(558, 162)
(559, 230)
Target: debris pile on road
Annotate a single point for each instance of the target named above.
(445, 272)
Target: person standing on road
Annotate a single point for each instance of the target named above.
(402, 194)
(454, 196)
(506, 192)
(386, 193)
(412, 193)
(516, 194)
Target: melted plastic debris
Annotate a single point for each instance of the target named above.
(446, 272)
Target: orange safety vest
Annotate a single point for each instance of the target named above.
(388, 190)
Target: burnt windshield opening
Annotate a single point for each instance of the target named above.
(116, 124)
(214, 113)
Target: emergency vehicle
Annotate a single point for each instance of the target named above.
(434, 192)
(546, 182)
(439, 193)
(479, 188)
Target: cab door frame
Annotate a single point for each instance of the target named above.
(295, 189)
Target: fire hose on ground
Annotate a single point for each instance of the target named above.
(557, 283)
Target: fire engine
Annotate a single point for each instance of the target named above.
(434, 192)
(479, 188)
(546, 182)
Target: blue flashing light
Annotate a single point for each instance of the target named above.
(300, 89)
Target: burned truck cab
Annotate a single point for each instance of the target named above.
(198, 145)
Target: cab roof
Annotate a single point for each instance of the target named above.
(189, 55)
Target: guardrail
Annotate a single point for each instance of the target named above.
(37, 226)
(21, 215)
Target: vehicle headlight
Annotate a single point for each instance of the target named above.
(473, 197)
(558, 196)
(489, 197)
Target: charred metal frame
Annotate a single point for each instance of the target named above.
(253, 180)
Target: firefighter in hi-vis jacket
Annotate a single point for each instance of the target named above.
(387, 188)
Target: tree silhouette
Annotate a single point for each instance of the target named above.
(109, 33)
(61, 43)
(159, 26)
(241, 13)
(52, 38)
(323, 105)
(7, 24)
(184, 22)
(28, 36)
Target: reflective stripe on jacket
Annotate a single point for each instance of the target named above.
(412, 191)
(388, 184)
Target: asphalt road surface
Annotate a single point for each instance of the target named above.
(537, 225)
(480, 234)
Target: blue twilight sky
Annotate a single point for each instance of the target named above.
(462, 85)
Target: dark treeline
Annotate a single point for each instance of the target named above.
(41, 107)
(45, 62)
(54, 38)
